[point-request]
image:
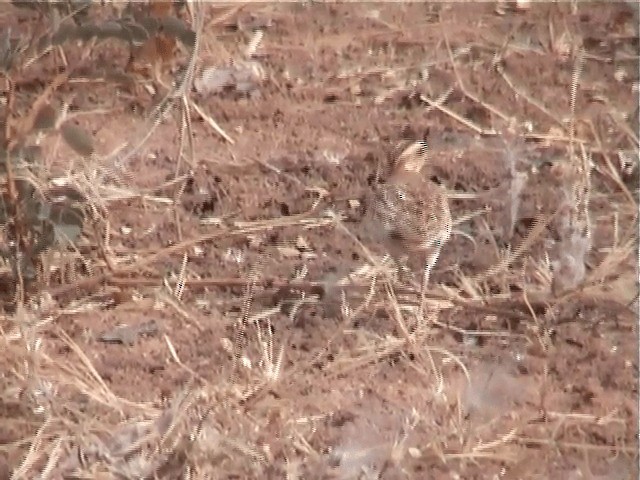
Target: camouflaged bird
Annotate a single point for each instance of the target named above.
(411, 212)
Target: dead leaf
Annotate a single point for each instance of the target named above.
(45, 118)
(77, 138)
(159, 8)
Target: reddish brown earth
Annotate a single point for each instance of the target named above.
(493, 389)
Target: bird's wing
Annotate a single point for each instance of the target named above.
(420, 220)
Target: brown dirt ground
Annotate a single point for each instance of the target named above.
(551, 391)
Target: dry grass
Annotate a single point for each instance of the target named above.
(271, 412)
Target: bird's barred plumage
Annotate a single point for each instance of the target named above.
(409, 210)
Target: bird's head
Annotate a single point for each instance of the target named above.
(412, 159)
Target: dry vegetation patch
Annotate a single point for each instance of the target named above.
(191, 283)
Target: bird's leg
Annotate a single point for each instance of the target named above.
(386, 267)
(431, 259)
(404, 270)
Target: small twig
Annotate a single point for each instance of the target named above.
(10, 88)
(520, 92)
(249, 227)
(459, 118)
(212, 123)
(225, 16)
(441, 99)
(540, 224)
(612, 170)
(461, 84)
(574, 445)
(575, 80)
